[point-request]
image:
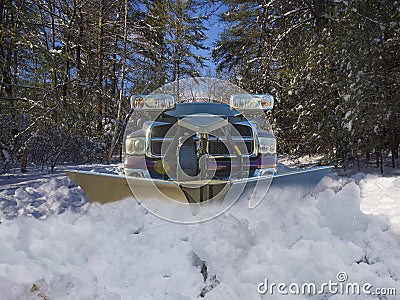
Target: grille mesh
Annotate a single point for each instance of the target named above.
(219, 148)
(244, 130)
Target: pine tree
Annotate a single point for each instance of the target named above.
(180, 28)
(332, 66)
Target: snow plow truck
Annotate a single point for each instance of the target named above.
(195, 142)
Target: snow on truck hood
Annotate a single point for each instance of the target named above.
(119, 251)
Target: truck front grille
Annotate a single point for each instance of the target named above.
(216, 145)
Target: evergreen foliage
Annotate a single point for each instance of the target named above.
(68, 68)
(333, 67)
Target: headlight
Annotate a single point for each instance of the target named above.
(252, 101)
(267, 145)
(135, 146)
(152, 102)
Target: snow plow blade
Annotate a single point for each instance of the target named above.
(104, 188)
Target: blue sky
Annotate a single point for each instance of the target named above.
(215, 27)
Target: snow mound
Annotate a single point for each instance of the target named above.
(298, 240)
(380, 196)
(41, 197)
(120, 251)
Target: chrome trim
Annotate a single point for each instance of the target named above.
(149, 139)
(255, 136)
(161, 139)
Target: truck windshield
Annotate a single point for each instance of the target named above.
(185, 109)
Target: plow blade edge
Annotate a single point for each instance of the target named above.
(104, 188)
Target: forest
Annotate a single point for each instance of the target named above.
(69, 67)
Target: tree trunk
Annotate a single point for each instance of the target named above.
(65, 84)
(319, 11)
(99, 91)
(78, 60)
(121, 91)
(24, 159)
(53, 46)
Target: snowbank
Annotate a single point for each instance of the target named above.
(381, 196)
(120, 251)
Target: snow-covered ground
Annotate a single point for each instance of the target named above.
(54, 245)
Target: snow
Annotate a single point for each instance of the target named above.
(387, 190)
(55, 51)
(54, 245)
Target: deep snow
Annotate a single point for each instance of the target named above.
(120, 251)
